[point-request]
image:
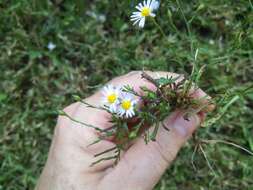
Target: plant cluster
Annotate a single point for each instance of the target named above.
(141, 114)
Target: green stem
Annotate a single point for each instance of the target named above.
(222, 112)
(154, 133)
(77, 98)
(225, 108)
(248, 89)
(251, 5)
(228, 143)
(108, 150)
(187, 24)
(159, 28)
(82, 123)
(104, 159)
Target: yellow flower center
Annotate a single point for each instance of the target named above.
(126, 104)
(145, 11)
(112, 98)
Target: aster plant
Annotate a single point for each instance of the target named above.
(144, 10)
(135, 114)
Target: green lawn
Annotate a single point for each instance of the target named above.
(95, 41)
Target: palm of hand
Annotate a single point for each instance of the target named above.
(140, 167)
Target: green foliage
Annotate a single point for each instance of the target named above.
(95, 42)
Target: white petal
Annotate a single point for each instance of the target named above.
(104, 92)
(139, 6)
(114, 108)
(148, 3)
(128, 114)
(111, 109)
(135, 16)
(136, 22)
(108, 88)
(152, 14)
(136, 13)
(134, 19)
(144, 3)
(142, 22)
(131, 113)
(155, 5)
(122, 113)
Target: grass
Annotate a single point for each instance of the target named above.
(95, 42)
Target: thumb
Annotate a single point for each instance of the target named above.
(142, 165)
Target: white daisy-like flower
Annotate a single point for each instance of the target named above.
(111, 97)
(51, 46)
(127, 105)
(145, 9)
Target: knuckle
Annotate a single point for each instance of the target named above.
(167, 154)
(131, 73)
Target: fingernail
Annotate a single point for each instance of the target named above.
(185, 127)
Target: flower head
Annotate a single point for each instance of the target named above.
(127, 105)
(111, 97)
(51, 46)
(145, 9)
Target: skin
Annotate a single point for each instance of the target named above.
(140, 167)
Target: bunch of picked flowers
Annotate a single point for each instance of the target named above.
(119, 102)
(134, 114)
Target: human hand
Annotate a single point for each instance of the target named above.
(140, 167)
